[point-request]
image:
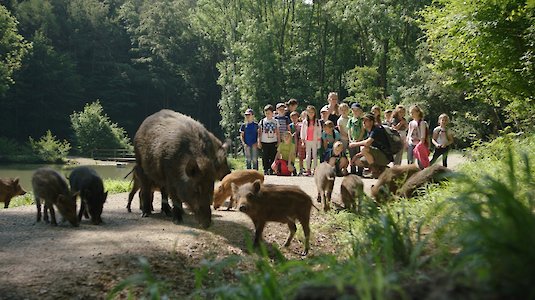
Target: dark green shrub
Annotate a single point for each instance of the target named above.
(12, 151)
(49, 149)
(94, 130)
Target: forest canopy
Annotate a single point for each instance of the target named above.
(212, 59)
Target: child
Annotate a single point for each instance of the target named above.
(400, 124)
(376, 111)
(442, 139)
(249, 140)
(355, 133)
(417, 135)
(284, 159)
(342, 125)
(292, 106)
(282, 118)
(268, 138)
(333, 107)
(388, 118)
(295, 129)
(311, 138)
(336, 157)
(328, 137)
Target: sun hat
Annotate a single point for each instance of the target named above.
(249, 112)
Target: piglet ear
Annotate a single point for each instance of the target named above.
(256, 186)
(234, 188)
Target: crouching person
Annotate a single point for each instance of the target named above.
(285, 157)
(337, 158)
(374, 153)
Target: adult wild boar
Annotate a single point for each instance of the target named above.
(324, 176)
(224, 190)
(352, 191)
(277, 203)
(88, 184)
(51, 187)
(136, 186)
(10, 188)
(391, 180)
(433, 174)
(177, 153)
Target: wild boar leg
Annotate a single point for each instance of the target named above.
(259, 229)
(177, 208)
(52, 215)
(38, 204)
(231, 203)
(327, 203)
(82, 209)
(45, 212)
(146, 197)
(166, 209)
(130, 197)
(305, 222)
(293, 229)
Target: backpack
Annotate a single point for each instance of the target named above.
(394, 140)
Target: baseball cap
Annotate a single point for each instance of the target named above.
(324, 108)
(356, 105)
(280, 104)
(249, 112)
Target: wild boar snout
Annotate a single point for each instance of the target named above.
(243, 208)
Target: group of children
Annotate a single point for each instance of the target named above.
(285, 135)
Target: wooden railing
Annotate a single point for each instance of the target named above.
(119, 154)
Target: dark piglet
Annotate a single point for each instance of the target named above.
(352, 191)
(10, 188)
(433, 174)
(391, 180)
(51, 187)
(177, 153)
(276, 203)
(324, 176)
(88, 184)
(136, 186)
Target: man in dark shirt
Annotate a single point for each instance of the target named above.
(375, 146)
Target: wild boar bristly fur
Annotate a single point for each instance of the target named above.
(177, 153)
(276, 203)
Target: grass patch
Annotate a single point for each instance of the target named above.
(116, 186)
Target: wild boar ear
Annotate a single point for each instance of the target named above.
(105, 195)
(256, 186)
(16, 181)
(192, 169)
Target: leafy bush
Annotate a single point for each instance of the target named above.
(49, 149)
(94, 130)
(12, 151)
(114, 186)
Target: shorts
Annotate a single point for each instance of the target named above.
(379, 156)
(300, 150)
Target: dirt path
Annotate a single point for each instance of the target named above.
(38, 261)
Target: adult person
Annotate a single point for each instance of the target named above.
(334, 113)
(374, 152)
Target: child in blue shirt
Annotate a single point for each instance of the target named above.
(249, 140)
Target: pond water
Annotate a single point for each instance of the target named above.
(25, 171)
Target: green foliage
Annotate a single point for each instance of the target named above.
(496, 235)
(114, 186)
(361, 83)
(13, 47)
(13, 151)
(154, 288)
(23, 200)
(486, 49)
(94, 130)
(49, 149)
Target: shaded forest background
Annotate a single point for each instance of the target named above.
(211, 59)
